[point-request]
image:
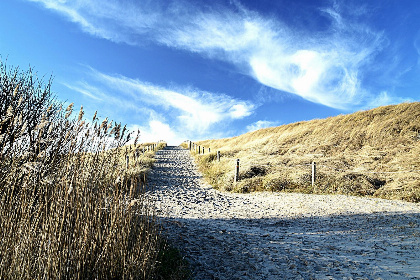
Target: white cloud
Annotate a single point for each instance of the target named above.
(324, 67)
(155, 130)
(240, 110)
(197, 110)
(104, 100)
(184, 113)
(384, 98)
(260, 124)
(86, 90)
(117, 21)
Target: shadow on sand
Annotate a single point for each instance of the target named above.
(367, 246)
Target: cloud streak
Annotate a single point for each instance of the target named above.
(261, 124)
(323, 67)
(189, 112)
(196, 109)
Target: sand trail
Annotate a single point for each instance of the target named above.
(282, 235)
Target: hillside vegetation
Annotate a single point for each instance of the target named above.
(373, 153)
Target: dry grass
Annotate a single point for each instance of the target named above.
(69, 206)
(372, 153)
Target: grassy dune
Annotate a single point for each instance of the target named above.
(373, 153)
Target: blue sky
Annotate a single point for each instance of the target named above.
(199, 70)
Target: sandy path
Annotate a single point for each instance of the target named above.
(282, 235)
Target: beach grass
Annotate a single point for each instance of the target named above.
(367, 153)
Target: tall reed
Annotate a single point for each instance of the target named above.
(69, 206)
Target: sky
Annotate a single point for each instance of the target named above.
(197, 70)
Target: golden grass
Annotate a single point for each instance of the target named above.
(371, 153)
(70, 207)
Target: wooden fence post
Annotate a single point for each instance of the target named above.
(218, 155)
(203, 150)
(199, 149)
(237, 171)
(190, 145)
(313, 173)
(127, 158)
(209, 150)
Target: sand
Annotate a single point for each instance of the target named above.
(281, 235)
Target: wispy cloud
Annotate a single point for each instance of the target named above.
(118, 21)
(325, 67)
(261, 124)
(183, 111)
(416, 45)
(86, 90)
(384, 98)
(196, 109)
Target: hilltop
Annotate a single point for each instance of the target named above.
(373, 153)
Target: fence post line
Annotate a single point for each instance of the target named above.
(237, 171)
(313, 173)
(199, 149)
(190, 145)
(203, 150)
(218, 155)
